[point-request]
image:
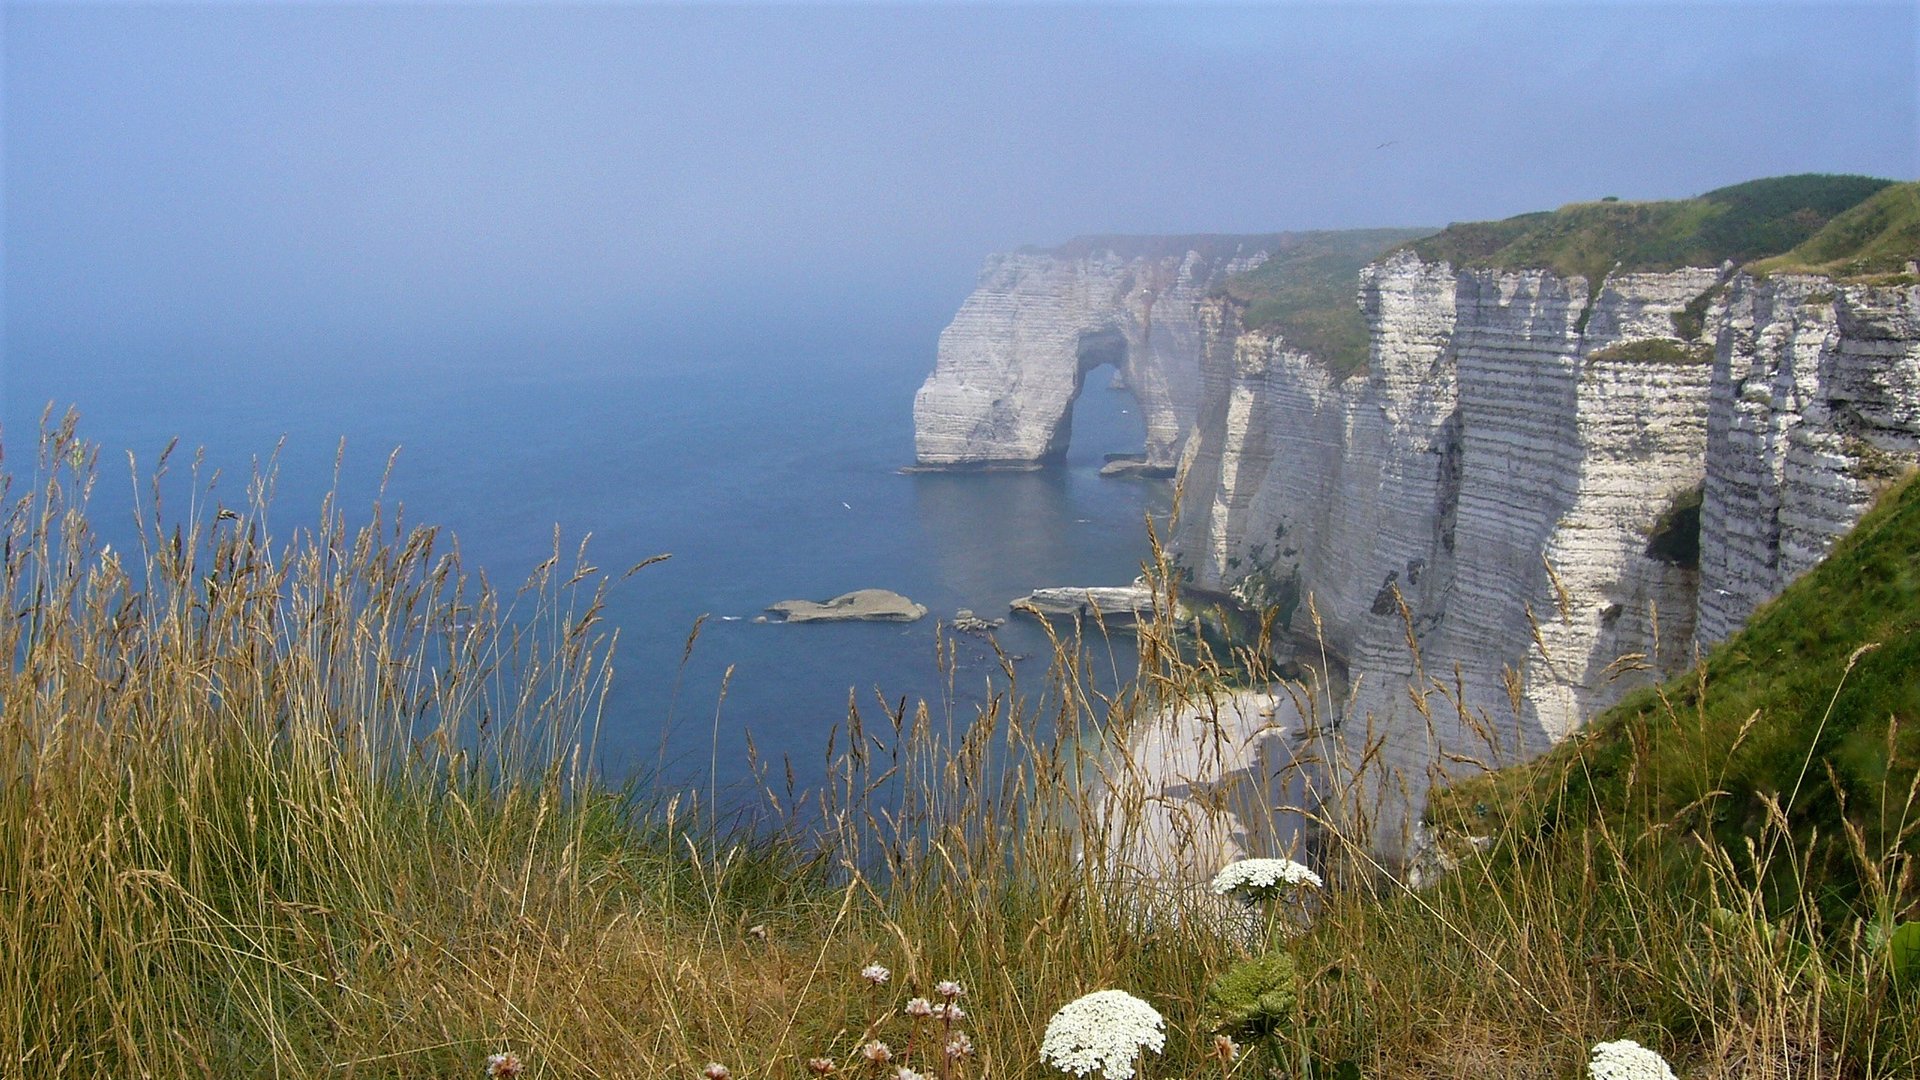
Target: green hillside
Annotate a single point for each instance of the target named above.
(1305, 291)
(1814, 704)
(1741, 223)
(1879, 237)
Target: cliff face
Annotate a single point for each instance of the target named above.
(1540, 492)
(1014, 359)
(1497, 470)
(1815, 405)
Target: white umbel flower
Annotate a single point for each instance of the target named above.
(1104, 1030)
(1257, 877)
(1627, 1060)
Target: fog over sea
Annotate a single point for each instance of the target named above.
(763, 458)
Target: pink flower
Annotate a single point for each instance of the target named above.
(877, 1052)
(949, 989)
(919, 1008)
(820, 1066)
(504, 1066)
(875, 974)
(717, 1071)
(959, 1046)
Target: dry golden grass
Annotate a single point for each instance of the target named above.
(321, 808)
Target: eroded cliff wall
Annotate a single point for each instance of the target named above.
(1815, 406)
(1481, 517)
(1542, 490)
(1485, 491)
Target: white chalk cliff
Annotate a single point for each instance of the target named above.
(1017, 353)
(1815, 405)
(1491, 489)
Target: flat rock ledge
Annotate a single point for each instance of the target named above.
(1136, 466)
(1014, 465)
(861, 605)
(1116, 605)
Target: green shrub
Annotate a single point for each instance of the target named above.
(1654, 351)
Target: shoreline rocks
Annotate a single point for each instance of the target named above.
(967, 622)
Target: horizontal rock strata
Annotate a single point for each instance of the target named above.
(1539, 493)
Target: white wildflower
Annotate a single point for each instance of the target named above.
(949, 989)
(507, 1065)
(1104, 1030)
(1259, 877)
(919, 1008)
(717, 1071)
(875, 974)
(1225, 1048)
(1627, 1060)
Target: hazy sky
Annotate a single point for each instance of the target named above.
(258, 169)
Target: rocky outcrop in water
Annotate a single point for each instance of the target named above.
(861, 605)
(1115, 605)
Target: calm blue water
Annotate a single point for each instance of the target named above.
(765, 464)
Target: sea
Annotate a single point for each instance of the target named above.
(763, 459)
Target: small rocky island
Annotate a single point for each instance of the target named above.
(863, 605)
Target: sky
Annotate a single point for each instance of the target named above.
(253, 173)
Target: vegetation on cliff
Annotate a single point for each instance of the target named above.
(1306, 292)
(1809, 717)
(1876, 239)
(1740, 223)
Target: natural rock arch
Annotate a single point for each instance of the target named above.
(1013, 361)
(1092, 350)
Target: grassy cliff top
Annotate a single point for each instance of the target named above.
(1305, 291)
(1742, 223)
(1877, 237)
(1813, 704)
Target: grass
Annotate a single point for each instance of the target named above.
(1877, 238)
(322, 807)
(1306, 293)
(1741, 223)
(1655, 351)
(1812, 706)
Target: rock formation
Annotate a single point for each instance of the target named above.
(1016, 355)
(1544, 488)
(1505, 469)
(1815, 405)
(1115, 605)
(867, 605)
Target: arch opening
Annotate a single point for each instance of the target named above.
(1111, 423)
